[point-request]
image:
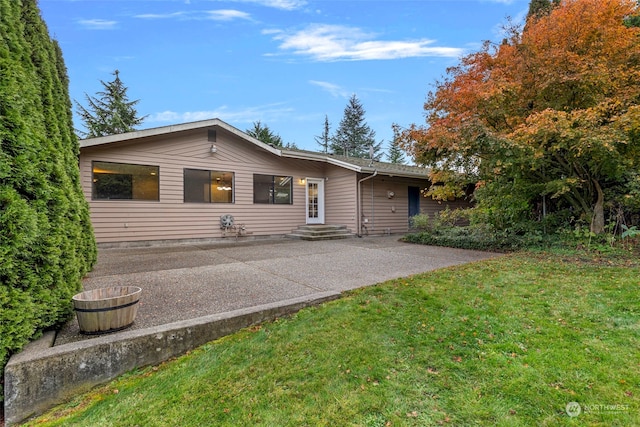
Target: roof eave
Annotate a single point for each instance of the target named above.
(293, 154)
(166, 130)
(322, 157)
(392, 173)
(405, 174)
(145, 133)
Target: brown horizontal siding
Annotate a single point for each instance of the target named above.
(171, 218)
(131, 227)
(388, 215)
(340, 197)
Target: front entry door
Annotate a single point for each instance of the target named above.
(315, 201)
(414, 202)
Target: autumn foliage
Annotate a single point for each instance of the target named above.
(549, 116)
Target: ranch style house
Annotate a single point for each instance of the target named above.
(207, 180)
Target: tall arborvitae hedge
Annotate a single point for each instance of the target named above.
(46, 239)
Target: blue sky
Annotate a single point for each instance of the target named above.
(285, 63)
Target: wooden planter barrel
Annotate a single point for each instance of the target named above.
(105, 310)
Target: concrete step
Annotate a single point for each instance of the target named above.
(321, 232)
(314, 238)
(321, 227)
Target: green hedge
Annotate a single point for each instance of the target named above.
(468, 238)
(46, 240)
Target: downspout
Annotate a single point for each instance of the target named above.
(373, 207)
(359, 203)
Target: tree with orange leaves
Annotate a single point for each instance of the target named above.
(551, 115)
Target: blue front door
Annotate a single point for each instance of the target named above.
(414, 201)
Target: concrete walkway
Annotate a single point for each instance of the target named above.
(181, 282)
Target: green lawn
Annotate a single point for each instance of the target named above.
(509, 341)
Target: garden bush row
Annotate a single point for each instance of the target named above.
(46, 239)
(462, 228)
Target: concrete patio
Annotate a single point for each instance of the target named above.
(194, 293)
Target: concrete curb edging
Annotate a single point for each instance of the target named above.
(39, 378)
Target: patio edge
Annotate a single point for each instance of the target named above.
(42, 376)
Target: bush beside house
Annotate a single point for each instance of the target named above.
(46, 239)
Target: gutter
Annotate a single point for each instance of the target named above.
(359, 202)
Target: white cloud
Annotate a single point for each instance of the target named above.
(161, 15)
(335, 90)
(278, 4)
(264, 113)
(341, 43)
(215, 15)
(227, 15)
(98, 24)
(174, 117)
(282, 4)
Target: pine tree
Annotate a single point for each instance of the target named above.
(354, 138)
(46, 240)
(538, 8)
(396, 154)
(634, 19)
(325, 139)
(111, 112)
(264, 134)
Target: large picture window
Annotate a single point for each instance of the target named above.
(273, 189)
(122, 181)
(204, 186)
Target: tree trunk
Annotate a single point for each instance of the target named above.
(597, 223)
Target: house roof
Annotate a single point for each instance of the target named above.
(359, 164)
(352, 163)
(166, 130)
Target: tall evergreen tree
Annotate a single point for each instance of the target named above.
(538, 8)
(396, 154)
(634, 19)
(325, 139)
(46, 240)
(264, 134)
(111, 112)
(354, 138)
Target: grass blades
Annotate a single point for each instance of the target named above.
(510, 341)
